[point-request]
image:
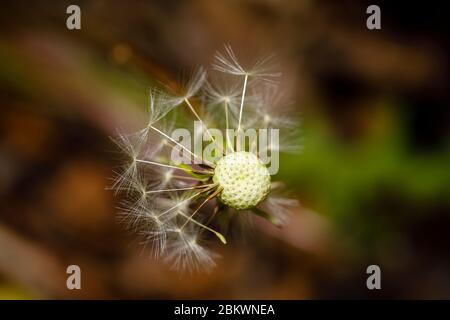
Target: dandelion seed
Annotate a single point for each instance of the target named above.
(186, 254)
(228, 63)
(191, 87)
(129, 173)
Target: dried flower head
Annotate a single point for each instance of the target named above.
(179, 185)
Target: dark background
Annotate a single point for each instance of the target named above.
(373, 177)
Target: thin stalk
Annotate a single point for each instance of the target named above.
(173, 167)
(241, 109)
(242, 101)
(174, 141)
(203, 124)
(212, 195)
(216, 210)
(217, 234)
(188, 178)
(179, 189)
(229, 144)
(185, 200)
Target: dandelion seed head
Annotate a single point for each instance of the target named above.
(244, 179)
(176, 207)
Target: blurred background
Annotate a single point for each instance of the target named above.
(373, 177)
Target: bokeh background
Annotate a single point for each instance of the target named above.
(373, 177)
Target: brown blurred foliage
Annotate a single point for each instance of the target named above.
(64, 93)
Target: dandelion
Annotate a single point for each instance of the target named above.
(178, 203)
